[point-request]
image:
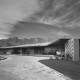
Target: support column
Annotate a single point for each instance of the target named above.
(76, 50)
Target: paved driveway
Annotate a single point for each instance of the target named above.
(27, 68)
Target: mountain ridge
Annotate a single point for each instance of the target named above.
(15, 41)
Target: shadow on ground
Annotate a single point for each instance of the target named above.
(68, 68)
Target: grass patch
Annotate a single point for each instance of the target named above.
(68, 68)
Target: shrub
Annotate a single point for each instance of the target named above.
(68, 57)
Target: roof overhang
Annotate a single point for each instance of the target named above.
(35, 45)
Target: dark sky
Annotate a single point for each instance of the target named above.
(39, 18)
(27, 29)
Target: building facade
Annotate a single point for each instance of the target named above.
(69, 47)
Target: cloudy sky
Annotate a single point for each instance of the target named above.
(39, 18)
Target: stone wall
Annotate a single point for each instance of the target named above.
(69, 47)
(72, 48)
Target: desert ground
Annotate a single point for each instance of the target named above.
(17, 67)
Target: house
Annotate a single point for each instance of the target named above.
(67, 46)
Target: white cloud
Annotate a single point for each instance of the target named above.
(12, 11)
(61, 33)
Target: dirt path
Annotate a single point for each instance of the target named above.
(27, 68)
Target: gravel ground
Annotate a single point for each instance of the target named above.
(27, 68)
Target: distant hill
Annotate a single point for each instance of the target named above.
(16, 41)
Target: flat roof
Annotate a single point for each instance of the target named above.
(34, 45)
(31, 45)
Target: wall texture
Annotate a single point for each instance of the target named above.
(69, 47)
(72, 48)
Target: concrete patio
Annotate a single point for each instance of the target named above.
(27, 68)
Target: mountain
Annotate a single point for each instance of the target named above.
(16, 41)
